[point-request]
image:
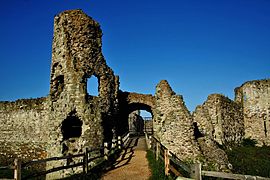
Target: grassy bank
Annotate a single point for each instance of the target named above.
(157, 167)
(249, 159)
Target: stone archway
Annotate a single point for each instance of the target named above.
(130, 103)
(137, 124)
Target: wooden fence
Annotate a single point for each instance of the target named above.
(183, 171)
(101, 154)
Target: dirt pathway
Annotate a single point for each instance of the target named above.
(132, 164)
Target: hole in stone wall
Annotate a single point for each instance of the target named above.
(93, 86)
(71, 127)
(197, 132)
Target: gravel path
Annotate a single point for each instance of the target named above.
(132, 164)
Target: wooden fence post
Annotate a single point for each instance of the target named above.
(150, 142)
(17, 169)
(113, 143)
(85, 161)
(119, 142)
(106, 151)
(167, 162)
(157, 150)
(196, 171)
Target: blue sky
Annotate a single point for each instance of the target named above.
(199, 46)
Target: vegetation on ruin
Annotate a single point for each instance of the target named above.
(249, 159)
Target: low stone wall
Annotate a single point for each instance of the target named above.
(23, 130)
(23, 121)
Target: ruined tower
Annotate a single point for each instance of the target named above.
(79, 119)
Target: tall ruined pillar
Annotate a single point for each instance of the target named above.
(173, 123)
(78, 120)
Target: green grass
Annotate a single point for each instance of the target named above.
(250, 160)
(6, 174)
(157, 167)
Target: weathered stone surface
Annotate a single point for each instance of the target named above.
(254, 97)
(23, 122)
(220, 119)
(215, 158)
(130, 102)
(173, 123)
(76, 56)
(23, 116)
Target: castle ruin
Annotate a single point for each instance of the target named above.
(69, 119)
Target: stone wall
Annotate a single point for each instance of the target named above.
(220, 119)
(23, 129)
(254, 97)
(23, 120)
(172, 123)
(173, 126)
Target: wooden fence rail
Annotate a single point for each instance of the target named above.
(173, 164)
(232, 176)
(108, 149)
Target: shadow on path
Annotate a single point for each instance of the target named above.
(131, 164)
(127, 154)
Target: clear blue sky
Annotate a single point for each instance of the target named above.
(199, 46)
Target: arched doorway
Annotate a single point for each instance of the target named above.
(134, 104)
(140, 119)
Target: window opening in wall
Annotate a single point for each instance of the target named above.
(71, 127)
(93, 86)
